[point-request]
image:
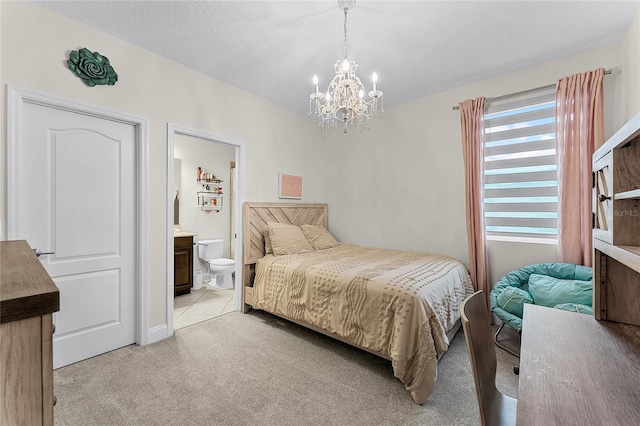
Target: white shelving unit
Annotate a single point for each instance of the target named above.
(210, 196)
(616, 221)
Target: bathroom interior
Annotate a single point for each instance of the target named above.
(204, 235)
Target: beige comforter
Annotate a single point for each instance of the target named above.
(397, 304)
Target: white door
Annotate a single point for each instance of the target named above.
(76, 198)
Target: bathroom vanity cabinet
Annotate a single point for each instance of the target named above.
(28, 298)
(182, 265)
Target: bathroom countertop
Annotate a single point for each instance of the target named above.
(184, 234)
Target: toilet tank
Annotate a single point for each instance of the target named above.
(210, 249)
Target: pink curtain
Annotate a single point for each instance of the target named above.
(579, 132)
(472, 126)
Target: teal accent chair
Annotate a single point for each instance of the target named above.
(520, 279)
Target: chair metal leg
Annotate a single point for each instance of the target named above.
(495, 340)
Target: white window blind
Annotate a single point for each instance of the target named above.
(520, 178)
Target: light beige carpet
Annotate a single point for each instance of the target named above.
(257, 369)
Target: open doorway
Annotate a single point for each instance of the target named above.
(203, 208)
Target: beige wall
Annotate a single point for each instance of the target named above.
(400, 186)
(34, 49)
(403, 184)
(631, 70)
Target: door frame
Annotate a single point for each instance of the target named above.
(16, 98)
(240, 148)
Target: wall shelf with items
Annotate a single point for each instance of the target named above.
(209, 201)
(616, 221)
(209, 193)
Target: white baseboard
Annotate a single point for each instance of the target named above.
(158, 333)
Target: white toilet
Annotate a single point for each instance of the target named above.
(221, 269)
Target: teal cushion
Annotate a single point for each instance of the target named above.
(512, 299)
(583, 273)
(575, 307)
(549, 291)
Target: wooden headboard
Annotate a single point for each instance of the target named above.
(256, 216)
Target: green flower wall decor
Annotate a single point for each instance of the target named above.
(93, 68)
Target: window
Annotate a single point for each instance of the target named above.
(520, 169)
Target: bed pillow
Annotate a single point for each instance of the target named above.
(319, 237)
(267, 242)
(512, 300)
(287, 239)
(549, 291)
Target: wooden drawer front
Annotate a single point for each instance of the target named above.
(603, 199)
(183, 242)
(26, 372)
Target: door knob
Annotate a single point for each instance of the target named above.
(603, 198)
(39, 253)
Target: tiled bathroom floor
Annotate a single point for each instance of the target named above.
(201, 305)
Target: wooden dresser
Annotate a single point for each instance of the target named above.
(28, 298)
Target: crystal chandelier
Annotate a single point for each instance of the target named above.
(344, 101)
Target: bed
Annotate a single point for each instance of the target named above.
(399, 305)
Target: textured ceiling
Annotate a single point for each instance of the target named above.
(273, 48)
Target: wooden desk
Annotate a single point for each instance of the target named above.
(577, 370)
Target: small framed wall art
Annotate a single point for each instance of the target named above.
(289, 186)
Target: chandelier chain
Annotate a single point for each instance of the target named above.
(345, 32)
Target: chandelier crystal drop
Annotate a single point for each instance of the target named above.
(344, 102)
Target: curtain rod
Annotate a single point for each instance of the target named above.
(523, 92)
